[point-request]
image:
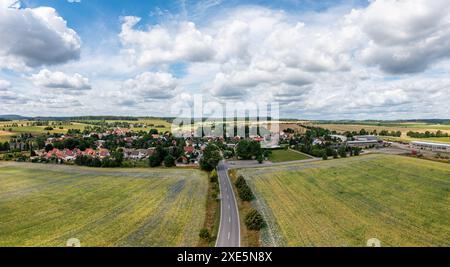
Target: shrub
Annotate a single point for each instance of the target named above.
(254, 220)
(260, 158)
(154, 161)
(213, 176)
(169, 161)
(244, 191)
(204, 234)
(324, 156)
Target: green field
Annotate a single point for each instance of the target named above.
(399, 200)
(43, 205)
(282, 155)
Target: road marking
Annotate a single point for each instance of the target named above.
(228, 235)
(228, 196)
(229, 219)
(229, 207)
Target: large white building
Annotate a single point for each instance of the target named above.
(431, 146)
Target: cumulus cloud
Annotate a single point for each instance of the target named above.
(34, 36)
(405, 36)
(4, 85)
(60, 80)
(144, 88)
(160, 44)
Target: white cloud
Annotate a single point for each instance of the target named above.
(4, 85)
(35, 36)
(60, 80)
(405, 36)
(148, 86)
(160, 44)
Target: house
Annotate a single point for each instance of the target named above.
(189, 149)
(365, 138)
(103, 153)
(137, 154)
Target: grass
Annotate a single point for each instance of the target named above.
(42, 205)
(282, 155)
(401, 201)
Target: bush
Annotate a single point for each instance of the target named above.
(244, 191)
(325, 156)
(204, 234)
(213, 176)
(154, 161)
(260, 158)
(254, 220)
(169, 161)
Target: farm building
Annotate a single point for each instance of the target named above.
(435, 147)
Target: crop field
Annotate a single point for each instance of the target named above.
(281, 155)
(404, 128)
(43, 205)
(22, 127)
(399, 200)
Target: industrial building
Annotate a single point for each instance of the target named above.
(364, 141)
(431, 146)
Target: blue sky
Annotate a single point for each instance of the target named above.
(379, 59)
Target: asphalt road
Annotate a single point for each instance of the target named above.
(229, 230)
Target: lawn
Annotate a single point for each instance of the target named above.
(45, 205)
(282, 155)
(399, 200)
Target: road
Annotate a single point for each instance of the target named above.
(229, 230)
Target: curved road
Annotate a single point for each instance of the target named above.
(229, 229)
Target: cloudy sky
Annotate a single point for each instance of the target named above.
(378, 59)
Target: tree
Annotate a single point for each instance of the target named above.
(169, 161)
(254, 220)
(246, 149)
(342, 152)
(48, 147)
(118, 156)
(154, 161)
(335, 154)
(211, 158)
(244, 191)
(260, 158)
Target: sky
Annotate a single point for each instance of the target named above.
(377, 59)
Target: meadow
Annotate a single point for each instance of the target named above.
(401, 201)
(281, 155)
(43, 205)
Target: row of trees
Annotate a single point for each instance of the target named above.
(115, 161)
(427, 134)
(374, 132)
(253, 220)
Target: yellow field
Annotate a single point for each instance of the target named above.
(45, 205)
(399, 200)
